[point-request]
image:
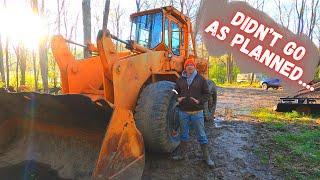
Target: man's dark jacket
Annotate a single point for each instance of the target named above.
(198, 89)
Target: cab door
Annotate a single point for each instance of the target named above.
(173, 40)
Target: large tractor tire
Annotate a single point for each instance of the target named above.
(156, 115)
(211, 104)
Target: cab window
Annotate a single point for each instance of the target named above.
(147, 30)
(166, 32)
(175, 38)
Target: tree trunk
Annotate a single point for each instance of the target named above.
(7, 62)
(17, 68)
(252, 78)
(3, 77)
(300, 15)
(55, 76)
(43, 50)
(118, 13)
(23, 65)
(229, 68)
(182, 5)
(139, 4)
(7, 54)
(35, 71)
(43, 61)
(106, 15)
(313, 21)
(86, 19)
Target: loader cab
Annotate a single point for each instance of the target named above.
(162, 29)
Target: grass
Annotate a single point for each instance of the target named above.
(241, 85)
(292, 143)
(267, 115)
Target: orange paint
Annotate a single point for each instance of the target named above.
(122, 75)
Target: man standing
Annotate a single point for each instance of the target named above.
(193, 92)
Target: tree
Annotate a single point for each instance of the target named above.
(62, 13)
(6, 50)
(192, 7)
(118, 13)
(259, 5)
(139, 4)
(86, 19)
(106, 15)
(43, 56)
(21, 54)
(22, 63)
(318, 35)
(182, 2)
(34, 6)
(17, 68)
(43, 49)
(229, 65)
(60, 6)
(284, 14)
(3, 78)
(75, 34)
(7, 62)
(313, 18)
(300, 13)
(35, 72)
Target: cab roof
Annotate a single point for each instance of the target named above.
(167, 10)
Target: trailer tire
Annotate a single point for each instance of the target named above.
(303, 109)
(265, 86)
(211, 104)
(155, 113)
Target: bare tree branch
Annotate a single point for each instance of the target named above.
(86, 19)
(118, 13)
(106, 15)
(300, 13)
(314, 7)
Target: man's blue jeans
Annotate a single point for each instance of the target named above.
(197, 122)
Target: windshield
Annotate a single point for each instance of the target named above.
(147, 30)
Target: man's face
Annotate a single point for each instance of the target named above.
(190, 68)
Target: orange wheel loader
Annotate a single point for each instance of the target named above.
(114, 104)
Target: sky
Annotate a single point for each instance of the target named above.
(74, 14)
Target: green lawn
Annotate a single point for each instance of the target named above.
(291, 142)
(240, 85)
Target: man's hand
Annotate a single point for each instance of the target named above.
(194, 100)
(180, 99)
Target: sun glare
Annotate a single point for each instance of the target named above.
(22, 26)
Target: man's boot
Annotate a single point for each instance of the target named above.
(180, 153)
(206, 155)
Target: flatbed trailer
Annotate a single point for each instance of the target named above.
(299, 104)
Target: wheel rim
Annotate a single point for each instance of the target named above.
(264, 86)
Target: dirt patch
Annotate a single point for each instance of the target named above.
(242, 100)
(231, 146)
(43, 155)
(29, 170)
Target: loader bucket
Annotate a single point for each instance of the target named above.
(60, 136)
(122, 152)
